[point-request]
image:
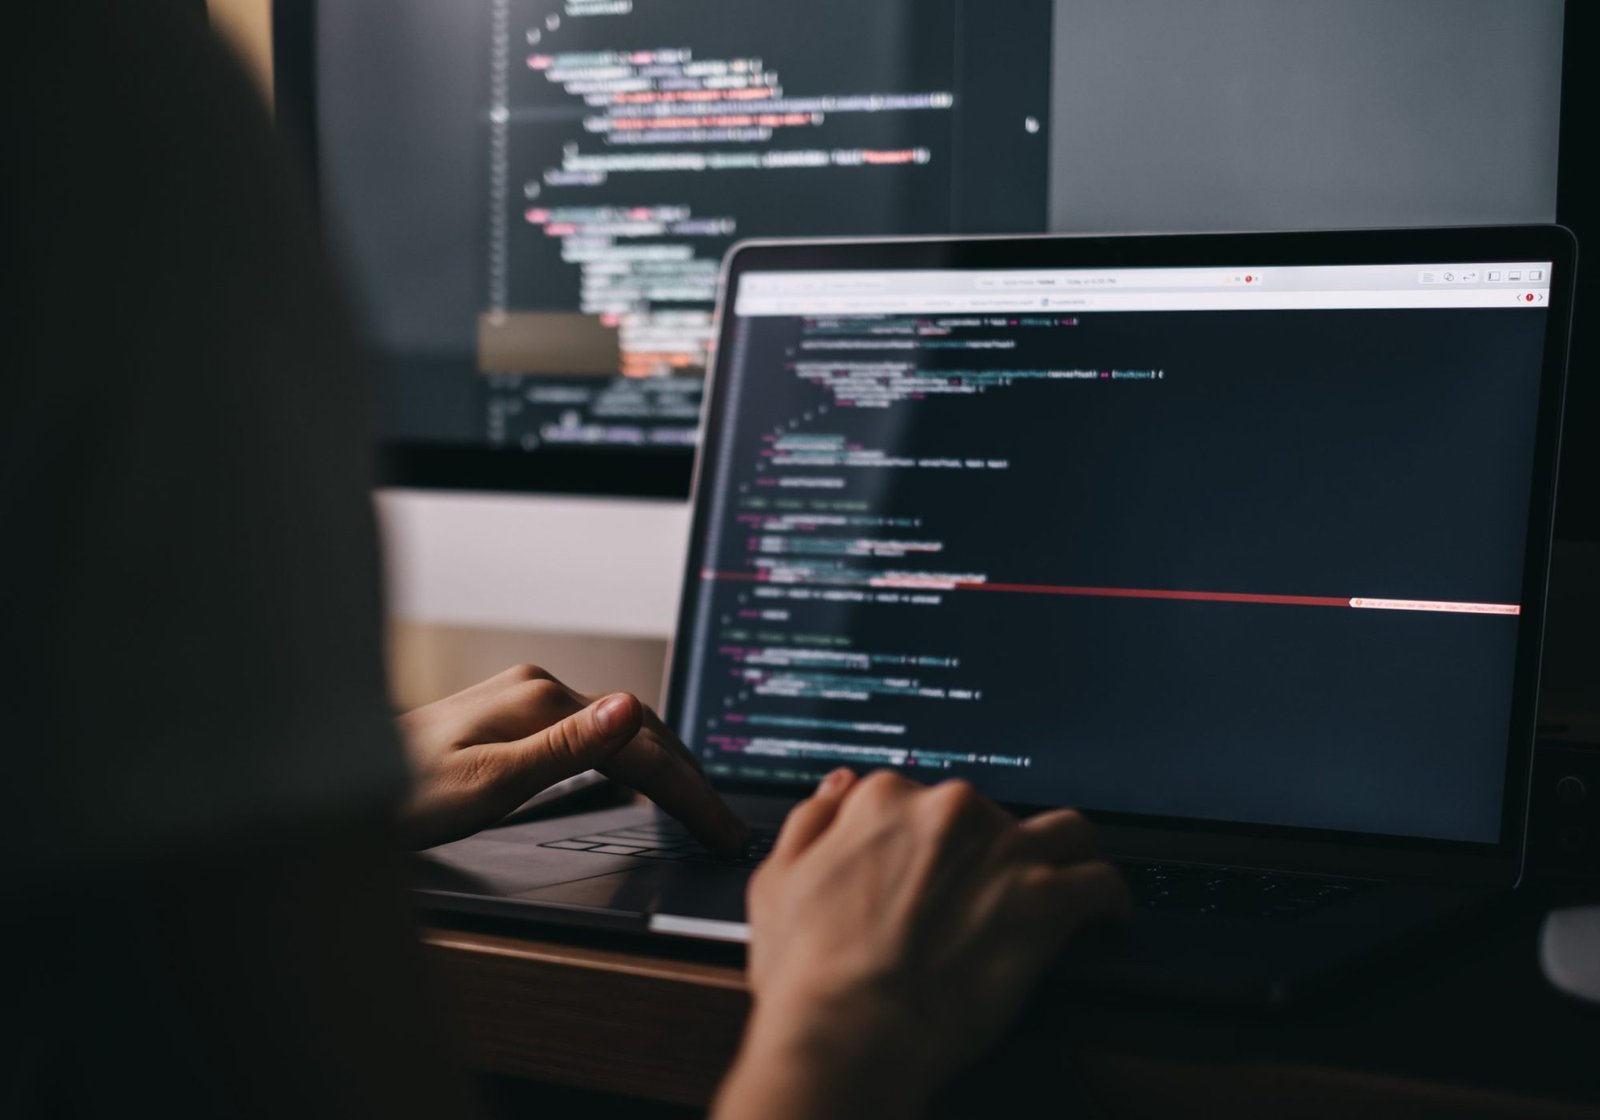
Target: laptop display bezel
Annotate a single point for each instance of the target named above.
(1335, 849)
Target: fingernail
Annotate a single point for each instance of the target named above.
(614, 714)
(834, 780)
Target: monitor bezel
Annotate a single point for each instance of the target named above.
(1499, 861)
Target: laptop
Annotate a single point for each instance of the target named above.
(1236, 542)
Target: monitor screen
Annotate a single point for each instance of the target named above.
(531, 197)
(1239, 544)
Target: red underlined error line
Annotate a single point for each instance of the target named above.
(1358, 602)
(1151, 593)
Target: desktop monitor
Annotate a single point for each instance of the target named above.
(530, 198)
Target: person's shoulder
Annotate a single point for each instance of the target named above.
(185, 451)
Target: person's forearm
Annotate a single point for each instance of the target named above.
(853, 1069)
(784, 1086)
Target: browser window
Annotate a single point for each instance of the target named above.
(1242, 544)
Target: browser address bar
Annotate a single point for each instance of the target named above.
(1134, 279)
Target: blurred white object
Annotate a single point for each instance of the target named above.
(1569, 950)
(513, 561)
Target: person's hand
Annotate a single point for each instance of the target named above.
(895, 930)
(479, 754)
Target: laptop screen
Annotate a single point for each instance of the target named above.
(1238, 544)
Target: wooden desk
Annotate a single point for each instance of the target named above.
(614, 1019)
(1461, 1027)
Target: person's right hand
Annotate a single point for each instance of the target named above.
(895, 930)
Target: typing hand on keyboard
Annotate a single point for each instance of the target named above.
(894, 930)
(479, 754)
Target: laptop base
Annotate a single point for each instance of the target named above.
(511, 873)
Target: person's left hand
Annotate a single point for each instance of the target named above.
(479, 754)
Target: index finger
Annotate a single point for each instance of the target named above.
(655, 764)
(658, 765)
(1057, 836)
(811, 818)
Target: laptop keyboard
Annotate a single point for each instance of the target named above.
(1233, 891)
(1187, 887)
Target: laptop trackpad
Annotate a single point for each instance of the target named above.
(695, 891)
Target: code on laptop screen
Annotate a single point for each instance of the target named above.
(1232, 544)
